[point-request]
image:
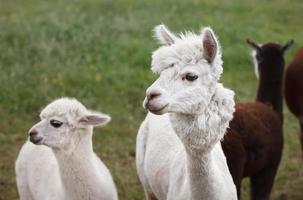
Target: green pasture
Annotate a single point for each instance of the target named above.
(99, 51)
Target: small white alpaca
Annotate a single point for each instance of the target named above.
(179, 155)
(62, 164)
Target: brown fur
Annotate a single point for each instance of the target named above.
(254, 142)
(294, 89)
(253, 146)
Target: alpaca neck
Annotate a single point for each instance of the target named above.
(200, 166)
(201, 173)
(77, 167)
(270, 92)
(201, 135)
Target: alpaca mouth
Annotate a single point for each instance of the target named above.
(157, 111)
(36, 140)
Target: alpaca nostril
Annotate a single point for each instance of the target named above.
(33, 133)
(153, 95)
(33, 136)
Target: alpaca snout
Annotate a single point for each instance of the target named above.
(34, 136)
(152, 94)
(155, 100)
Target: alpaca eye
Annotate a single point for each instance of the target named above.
(56, 123)
(191, 76)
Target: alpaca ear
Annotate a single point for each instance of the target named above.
(164, 35)
(95, 119)
(210, 44)
(287, 45)
(253, 45)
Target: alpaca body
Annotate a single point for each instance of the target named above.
(253, 146)
(178, 154)
(293, 88)
(254, 142)
(61, 164)
(42, 175)
(164, 168)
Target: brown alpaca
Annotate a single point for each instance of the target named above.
(253, 145)
(294, 87)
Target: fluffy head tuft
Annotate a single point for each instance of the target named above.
(186, 49)
(64, 106)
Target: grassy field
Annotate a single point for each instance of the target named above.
(99, 52)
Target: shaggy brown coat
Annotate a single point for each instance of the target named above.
(294, 89)
(254, 142)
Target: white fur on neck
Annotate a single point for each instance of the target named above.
(201, 137)
(203, 131)
(253, 55)
(80, 174)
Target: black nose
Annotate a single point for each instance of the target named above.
(33, 137)
(153, 95)
(33, 133)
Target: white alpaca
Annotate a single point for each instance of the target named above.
(62, 164)
(179, 155)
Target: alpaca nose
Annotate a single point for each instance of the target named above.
(152, 94)
(33, 133)
(33, 136)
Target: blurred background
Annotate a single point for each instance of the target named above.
(99, 51)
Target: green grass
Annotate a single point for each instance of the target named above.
(100, 53)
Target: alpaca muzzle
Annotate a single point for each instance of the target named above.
(34, 137)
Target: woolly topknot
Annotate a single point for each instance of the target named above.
(186, 49)
(64, 105)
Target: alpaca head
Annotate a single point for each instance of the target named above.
(269, 60)
(189, 67)
(62, 123)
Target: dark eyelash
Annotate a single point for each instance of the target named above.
(55, 123)
(190, 77)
